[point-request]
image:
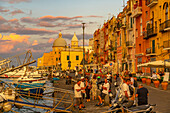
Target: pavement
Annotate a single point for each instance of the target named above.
(159, 97)
(156, 96)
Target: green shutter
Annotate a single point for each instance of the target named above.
(77, 57)
(68, 58)
(153, 46)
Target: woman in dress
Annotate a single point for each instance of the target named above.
(94, 88)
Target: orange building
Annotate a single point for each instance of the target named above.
(142, 43)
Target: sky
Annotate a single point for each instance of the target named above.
(35, 24)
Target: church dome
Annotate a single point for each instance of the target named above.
(59, 42)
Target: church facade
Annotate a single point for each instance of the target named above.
(61, 54)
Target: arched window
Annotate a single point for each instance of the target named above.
(166, 12)
(152, 19)
(165, 8)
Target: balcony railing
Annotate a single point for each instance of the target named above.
(165, 26)
(149, 52)
(129, 44)
(151, 3)
(137, 10)
(166, 44)
(123, 25)
(128, 56)
(129, 26)
(129, 11)
(150, 32)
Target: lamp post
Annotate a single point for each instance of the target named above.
(83, 51)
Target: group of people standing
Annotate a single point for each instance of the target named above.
(100, 87)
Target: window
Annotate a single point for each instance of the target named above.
(77, 57)
(55, 52)
(139, 47)
(68, 58)
(166, 13)
(146, 14)
(59, 58)
(153, 46)
(120, 40)
(131, 21)
(56, 59)
(59, 52)
(141, 26)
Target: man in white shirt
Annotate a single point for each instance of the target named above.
(105, 92)
(154, 76)
(77, 93)
(127, 100)
(82, 85)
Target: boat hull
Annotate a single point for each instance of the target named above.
(31, 91)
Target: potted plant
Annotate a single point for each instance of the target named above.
(156, 83)
(144, 80)
(148, 81)
(164, 85)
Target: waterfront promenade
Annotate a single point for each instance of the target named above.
(156, 96)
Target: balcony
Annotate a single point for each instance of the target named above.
(149, 52)
(129, 57)
(166, 45)
(117, 29)
(150, 32)
(129, 44)
(137, 11)
(151, 3)
(165, 26)
(129, 12)
(129, 27)
(123, 26)
(114, 49)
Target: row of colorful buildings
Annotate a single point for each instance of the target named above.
(138, 34)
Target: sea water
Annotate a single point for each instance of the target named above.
(26, 109)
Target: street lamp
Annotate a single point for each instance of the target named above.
(83, 50)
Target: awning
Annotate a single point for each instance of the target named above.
(156, 64)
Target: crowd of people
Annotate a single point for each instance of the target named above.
(96, 87)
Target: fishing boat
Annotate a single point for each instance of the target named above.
(36, 91)
(29, 82)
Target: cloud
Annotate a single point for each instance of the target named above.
(25, 31)
(35, 42)
(13, 20)
(2, 20)
(46, 24)
(18, 11)
(15, 1)
(79, 36)
(2, 10)
(29, 20)
(9, 42)
(55, 18)
(73, 26)
(95, 16)
(51, 40)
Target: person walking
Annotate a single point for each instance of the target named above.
(77, 94)
(82, 85)
(94, 87)
(105, 92)
(88, 88)
(142, 95)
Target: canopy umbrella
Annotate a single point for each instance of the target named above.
(156, 64)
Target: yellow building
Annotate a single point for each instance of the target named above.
(61, 54)
(158, 30)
